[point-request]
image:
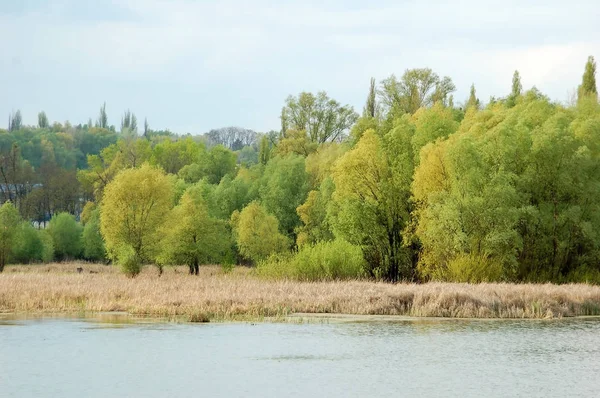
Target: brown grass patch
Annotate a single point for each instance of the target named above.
(59, 288)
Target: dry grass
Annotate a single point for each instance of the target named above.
(58, 288)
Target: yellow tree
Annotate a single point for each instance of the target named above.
(133, 207)
(257, 233)
(371, 199)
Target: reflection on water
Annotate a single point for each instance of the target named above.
(116, 355)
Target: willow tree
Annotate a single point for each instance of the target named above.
(257, 233)
(371, 205)
(135, 204)
(192, 237)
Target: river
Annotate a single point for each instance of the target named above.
(62, 357)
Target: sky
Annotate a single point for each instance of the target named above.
(191, 66)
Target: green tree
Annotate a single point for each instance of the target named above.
(29, 245)
(283, 187)
(9, 225)
(320, 117)
(129, 122)
(219, 162)
(133, 207)
(370, 109)
(416, 88)
(516, 90)
(473, 101)
(15, 121)
(257, 233)
(371, 200)
(102, 121)
(66, 236)
(172, 156)
(43, 120)
(192, 237)
(588, 84)
(93, 244)
(264, 153)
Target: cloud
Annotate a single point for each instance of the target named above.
(234, 62)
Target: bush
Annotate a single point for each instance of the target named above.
(66, 236)
(28, 246)
(473, 269)
(333, 260)
(93, 244)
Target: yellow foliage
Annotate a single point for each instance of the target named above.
(134, 206)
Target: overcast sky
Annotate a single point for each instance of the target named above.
(195, 65)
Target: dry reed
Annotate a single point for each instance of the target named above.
(214, 294)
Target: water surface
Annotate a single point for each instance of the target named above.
(90, 358)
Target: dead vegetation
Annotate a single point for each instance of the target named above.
(214, 294)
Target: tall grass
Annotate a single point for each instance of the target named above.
(215, 294)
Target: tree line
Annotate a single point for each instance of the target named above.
(418, 187)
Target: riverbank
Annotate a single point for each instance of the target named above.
(216, 295)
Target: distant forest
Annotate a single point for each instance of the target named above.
(416, 187)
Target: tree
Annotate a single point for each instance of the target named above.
(66, 236)
(417, 88)
(473, 101)
(588, 84)
(322, 118)
(129, 122)
(371, 205)
(283, 187)
(264, 153)
(192, 237)
(370, 109)
(102, 121)
(146, 128)
(133, 207)
(172, 156)
(15, 121)
(43, 120)
(9, 224)
(516, 90)
(93, 244)
(257, 233)
(219, 162)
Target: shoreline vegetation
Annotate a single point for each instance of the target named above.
(217, 295)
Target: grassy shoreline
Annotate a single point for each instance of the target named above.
(239, 295)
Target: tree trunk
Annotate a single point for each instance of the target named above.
(196, 266)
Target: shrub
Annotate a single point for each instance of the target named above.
(28, 246)
(333, 260)
(473, 269)
(93, 244)
(66, 236)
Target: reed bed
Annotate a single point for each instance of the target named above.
(216, 295)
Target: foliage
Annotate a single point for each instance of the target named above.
(66, 236)
(283, 187)
(135, 204)
(371, 201)
(334, 260)
(93, 244)
(30, 245)
(321, 118)
(192, 237)
(9, 225)
(257, 233)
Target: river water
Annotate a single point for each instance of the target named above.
(98, 358)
